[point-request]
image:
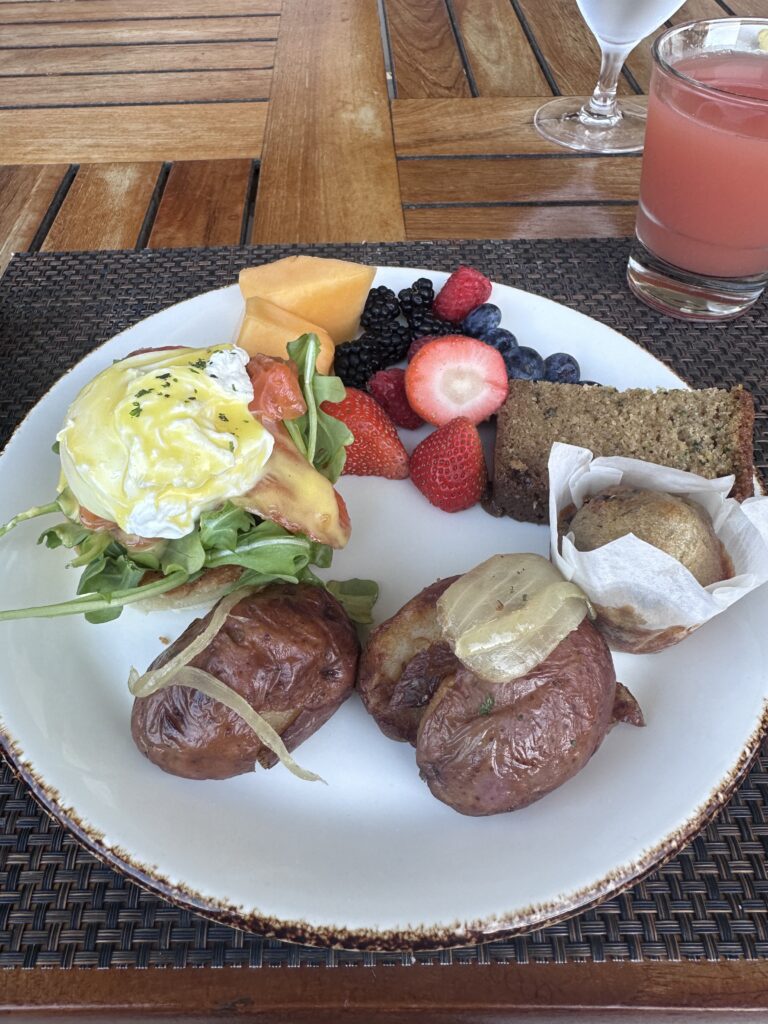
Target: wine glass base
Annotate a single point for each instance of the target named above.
(561, 121)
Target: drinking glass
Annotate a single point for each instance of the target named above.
(600, 123)
(701, 247)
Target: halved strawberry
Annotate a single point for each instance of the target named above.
(448, 467)
(456, 376)
(377, 449)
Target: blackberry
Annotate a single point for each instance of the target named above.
(416, 303)
(381, 307)
(356, 361)
(428, 324)
(393, 339)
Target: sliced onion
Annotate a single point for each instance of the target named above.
(178, 672)
(506, 616)
(197, 679)
(154, 680)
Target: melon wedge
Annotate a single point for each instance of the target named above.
(268, 329)
(327, 292)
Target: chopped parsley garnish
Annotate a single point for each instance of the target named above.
(200, 364)
(162, 376)
(223, 418)
(486, 706)
(143, 391)
(136, 410)
(231, 446)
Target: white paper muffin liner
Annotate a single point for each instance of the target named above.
(651, 592)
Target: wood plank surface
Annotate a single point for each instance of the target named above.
(500, 56)
(124, 59)
(25, 196)
(104, 208)
(98, 10)
(487, 126)
(168, 87)
(201, 131)
(588, 221)
(460, 994)
(154, 30)
(328, 172)
(749, 8)
(202, 204)
(534, 179)
(425, 56)
(566, 44)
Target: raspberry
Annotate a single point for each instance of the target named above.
(388, 388)
(465, 289)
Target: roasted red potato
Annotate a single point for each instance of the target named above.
(289, 650)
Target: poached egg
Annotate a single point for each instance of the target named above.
(160, 437)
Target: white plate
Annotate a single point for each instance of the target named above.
(371, 860)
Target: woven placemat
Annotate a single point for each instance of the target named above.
(60, 907)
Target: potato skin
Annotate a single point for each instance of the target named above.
(402, 664)
(290, 650)
(539, 731)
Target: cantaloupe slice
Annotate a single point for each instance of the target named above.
(327, 292)
(268, 329)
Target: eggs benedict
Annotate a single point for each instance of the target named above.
(196, 470)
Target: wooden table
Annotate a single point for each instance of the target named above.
(197, 123)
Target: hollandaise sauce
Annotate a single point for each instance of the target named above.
(159, 437)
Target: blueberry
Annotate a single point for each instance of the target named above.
(562, 369)
(525, 364)
(501, 339)
(482, 319)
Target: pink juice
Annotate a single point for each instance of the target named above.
(704, 185)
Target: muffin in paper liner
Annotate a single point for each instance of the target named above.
(644, 599)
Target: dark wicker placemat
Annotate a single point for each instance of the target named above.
(60, 907)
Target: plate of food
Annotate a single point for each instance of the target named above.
(279, 652)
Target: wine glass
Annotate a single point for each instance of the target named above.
(599, 123)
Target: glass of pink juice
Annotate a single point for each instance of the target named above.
(701, 247)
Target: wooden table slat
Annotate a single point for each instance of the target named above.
(502, 61)
(155, 31)
(96, 10)
(425, 56)
(329, 171)
(136, 58)
(581, 179)
(104, 208)
(168, 87)
(749, 8)
(568, 46)
(175, 132)
(26, 194)
(202, 204)
(486, 127)
(589, 221)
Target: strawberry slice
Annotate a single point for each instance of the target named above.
(456, 376)
(377, 450)
(448, 467)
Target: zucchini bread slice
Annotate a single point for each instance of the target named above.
(708, 432)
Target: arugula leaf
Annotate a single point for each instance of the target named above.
(220, 527)
(107, 575)
(67, 535)
(186, 554)
(267, 548)
(357, 597)
(94, 545)
(318, 436)
(94, 604)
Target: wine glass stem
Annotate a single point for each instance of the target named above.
(602, 105)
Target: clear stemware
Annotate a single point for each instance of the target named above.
(600, 123)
